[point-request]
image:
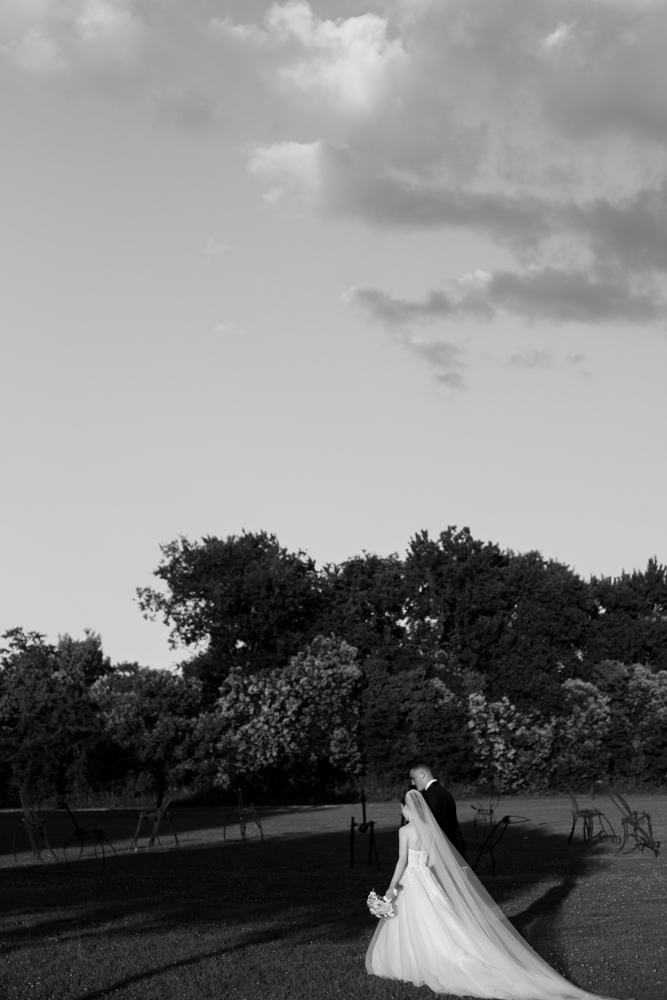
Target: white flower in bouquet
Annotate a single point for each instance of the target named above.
(380, 906)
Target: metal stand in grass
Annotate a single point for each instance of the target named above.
(636, 827)
(367, 826)
(154, 817)
(247, 818)
(30, 836)
(485, 814)
(86, 841)
(482, 847)
(589, 816)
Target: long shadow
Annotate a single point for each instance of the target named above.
(545, 906)
(289, 886)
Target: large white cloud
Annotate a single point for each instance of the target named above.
(540, 125)
(349, 62)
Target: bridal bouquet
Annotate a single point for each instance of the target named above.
(380, 906)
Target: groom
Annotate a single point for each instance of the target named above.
(441, 803)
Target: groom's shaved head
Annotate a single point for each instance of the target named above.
(420, 774)
(421, 766)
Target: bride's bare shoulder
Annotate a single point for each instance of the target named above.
(408, 834)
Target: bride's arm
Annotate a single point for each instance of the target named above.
(402, 860)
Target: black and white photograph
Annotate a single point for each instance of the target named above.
(333, 476)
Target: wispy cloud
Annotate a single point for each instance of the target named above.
(549, 293)
(227, 330)
(531, 358)
(213, 248)
(555, 39)
(535, 359)
(444, 359)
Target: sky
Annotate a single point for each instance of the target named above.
(338, 271)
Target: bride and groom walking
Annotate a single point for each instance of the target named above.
(447, 932)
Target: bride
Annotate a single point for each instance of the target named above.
(447, 932)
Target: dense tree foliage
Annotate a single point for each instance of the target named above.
(246, 599)
(49, 725)
(505, 670)
(364, 600)
(296, 725)
(631, 620)
(150, 716)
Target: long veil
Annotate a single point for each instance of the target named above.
(477, 913)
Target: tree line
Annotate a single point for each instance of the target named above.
(507, 670)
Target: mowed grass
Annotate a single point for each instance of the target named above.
(287, 919)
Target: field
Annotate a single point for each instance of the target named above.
(286, 919)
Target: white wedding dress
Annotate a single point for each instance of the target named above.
(449, 934)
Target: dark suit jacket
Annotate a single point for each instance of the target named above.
(442, 805)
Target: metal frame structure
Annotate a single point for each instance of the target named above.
(244, 815)
(636, 827)
(485, 814)
(366, 826)
(588, 816)
(34, 828)
(85, 836)
(154, 817)
(495, 836)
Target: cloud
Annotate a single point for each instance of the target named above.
(444, 359)
(346, 62)
(227, 330)
(540, 126)
(213, 248)
(37, 54)
(531, 358)
(558, 295)
(290, 170)
(558, 37)
(82, 37)
(100, 20)
(476, 141)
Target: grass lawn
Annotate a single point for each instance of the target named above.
(287, 919)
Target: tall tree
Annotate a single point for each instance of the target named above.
(512, 624)
(458, 600)
(249, 602)
(150, 715)
(363, 599)
(296, 725)
(631, 620)
(544, 639)
(49, 725)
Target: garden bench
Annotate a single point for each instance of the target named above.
(636, 826)
(31, 831)
(154, 817)
(588, 816)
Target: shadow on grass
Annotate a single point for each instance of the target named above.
(284, 890)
